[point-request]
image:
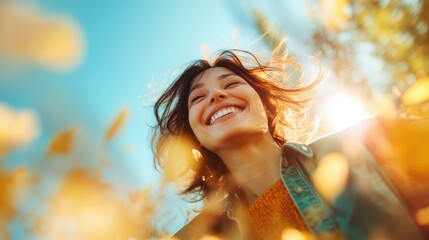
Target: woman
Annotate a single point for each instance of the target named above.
(223, 125)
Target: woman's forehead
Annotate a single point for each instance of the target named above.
(215, 73)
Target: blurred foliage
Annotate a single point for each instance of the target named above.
(393, 32)
(399, 31)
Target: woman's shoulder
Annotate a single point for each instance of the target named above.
(360, 139)
(333, 141)
(392, 128)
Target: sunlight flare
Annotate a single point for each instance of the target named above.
(343, 110)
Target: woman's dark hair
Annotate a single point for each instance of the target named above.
(175, 147)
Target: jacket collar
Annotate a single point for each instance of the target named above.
(308, 157)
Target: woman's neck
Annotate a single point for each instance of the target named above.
(254, 164)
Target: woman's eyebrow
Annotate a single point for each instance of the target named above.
(223, 76)
(199, 85)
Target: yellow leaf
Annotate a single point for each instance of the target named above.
(417, 93)
(114, 128)
(62, 143)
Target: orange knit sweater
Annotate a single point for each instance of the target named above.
(273, 212)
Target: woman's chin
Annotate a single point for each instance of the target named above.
(232, 139)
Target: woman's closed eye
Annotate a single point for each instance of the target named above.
(232, 84)
(196, 98)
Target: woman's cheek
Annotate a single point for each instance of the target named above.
(194, 118)
(191, 118)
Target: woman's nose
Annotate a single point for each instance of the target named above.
(217, 95)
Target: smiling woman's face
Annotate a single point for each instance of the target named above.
(224, 109)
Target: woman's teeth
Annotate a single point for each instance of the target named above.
(222, 113)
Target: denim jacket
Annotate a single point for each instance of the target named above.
(369, 205)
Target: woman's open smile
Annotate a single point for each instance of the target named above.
(223, 113)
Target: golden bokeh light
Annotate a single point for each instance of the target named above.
(294, 234)
(181, 161)
(334, 14)
(330, 176)
(60, 44)
(386, 106)
(422, 216)
(87, 208)
(17, 128)
(209, 237)
(55, 42)
(417, 93)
